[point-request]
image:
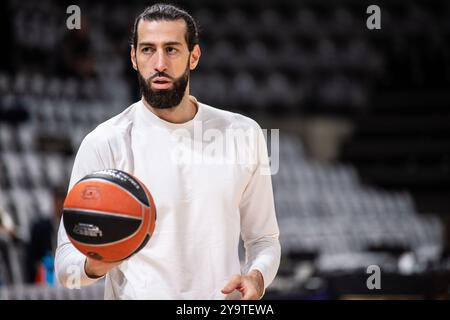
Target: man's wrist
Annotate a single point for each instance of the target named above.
(257, 275)
(89, 272)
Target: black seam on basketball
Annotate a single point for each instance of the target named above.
(151, 201)
(142, 245)
(109, 243)
(115, 184)
(140, 193)
(70, 225)
(115, 214)
(99, 245)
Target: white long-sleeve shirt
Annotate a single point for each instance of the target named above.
(207, 194)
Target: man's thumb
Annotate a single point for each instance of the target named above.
(231, 286)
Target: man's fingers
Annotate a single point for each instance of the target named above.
(249, 294)
(233, 284)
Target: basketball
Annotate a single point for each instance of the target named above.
(109, 215)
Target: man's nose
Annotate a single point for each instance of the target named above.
(161, 63)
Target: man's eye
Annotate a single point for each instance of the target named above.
(171, 50)
(146, 50)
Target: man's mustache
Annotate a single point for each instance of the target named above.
(160, 74)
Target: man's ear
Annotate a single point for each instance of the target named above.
(133, 57)
(195, 57)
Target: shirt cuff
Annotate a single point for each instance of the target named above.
(85, 279)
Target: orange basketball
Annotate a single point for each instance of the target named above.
(109, 215)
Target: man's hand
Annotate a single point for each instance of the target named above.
(96, 269)
(251, 286)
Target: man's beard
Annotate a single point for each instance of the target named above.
(164, 98)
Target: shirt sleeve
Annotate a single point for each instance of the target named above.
(69, 262)
(259, 226)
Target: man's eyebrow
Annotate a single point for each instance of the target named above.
(173, 43)
(169, 43)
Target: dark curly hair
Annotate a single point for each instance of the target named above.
(168, 12)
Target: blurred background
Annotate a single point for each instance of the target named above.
(364, 119)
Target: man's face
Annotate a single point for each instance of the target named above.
(163, 61)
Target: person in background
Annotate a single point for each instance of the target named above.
(42, 244)
(7, 238)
